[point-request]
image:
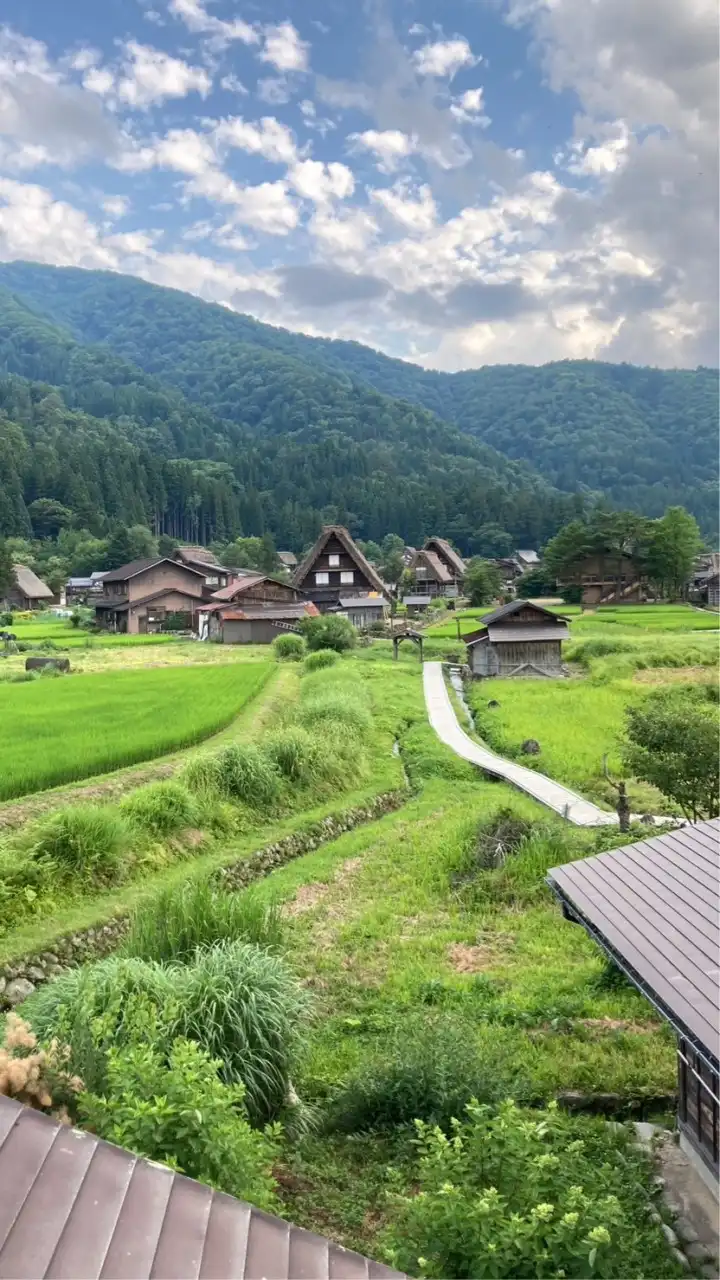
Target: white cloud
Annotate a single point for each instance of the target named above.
(267, 208)
(196, 18)
(284, 49)
(321, 182)
(98, 81)
(182, 150)
(151, 76)
(391, 146)
(416, 211)
(342, 232)
(266, 137)
(444, 57)
(33, 225)
(231, 84)
(85, 58)
(274, 89)
(468, 108)
(116, 206)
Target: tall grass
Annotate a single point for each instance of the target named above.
(161, 809)
(111, 720)
(246, 773)
(83, 841)
(238, 1002)
(188, 917)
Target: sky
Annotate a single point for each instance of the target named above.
(457, 183)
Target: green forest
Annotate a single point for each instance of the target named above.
(129, 403)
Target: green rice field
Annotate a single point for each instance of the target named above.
(621, 620)
(60, 730)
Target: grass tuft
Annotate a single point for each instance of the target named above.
(161, 809)
(195, 915)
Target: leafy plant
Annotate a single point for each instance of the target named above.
(174, 1108)
(171, 926)
(482, 582)
(320, 658)
(30, 1074)
(673, 743)
(246, 773)
(519, 1194)
(85, 840)
(288, 647)
(330, 631)
(162, 808)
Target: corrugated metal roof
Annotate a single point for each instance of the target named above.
(655, 904)
(74, 1206)
(364, 602)
(30, 585)
(519, 634)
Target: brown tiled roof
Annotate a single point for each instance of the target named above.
(30, 585)
(273, 613)
(73, 1206)
(234, 589)
(654, 906)
(134, 567)
(352, 550)
(451, 555)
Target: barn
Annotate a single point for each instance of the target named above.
(518, 639)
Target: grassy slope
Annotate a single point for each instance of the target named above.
(111, 720)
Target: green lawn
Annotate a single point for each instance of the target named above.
(58, 730)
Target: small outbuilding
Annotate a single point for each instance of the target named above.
(364, 611)
(28, 591)
(653, 907)
(518, 639)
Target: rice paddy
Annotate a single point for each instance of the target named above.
(61, 730)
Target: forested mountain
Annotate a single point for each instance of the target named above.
(646, 438)
(274, 445)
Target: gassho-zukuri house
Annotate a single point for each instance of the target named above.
(518, 639)
(653, 908)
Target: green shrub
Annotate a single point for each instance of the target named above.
(528, 1194)
(86, 840)
(320, 658)
(430, 1072)
(288, 647)
(173, 1107)
(296, 753)
(201, 775)
(175, 923)
(246, 773)
(162, 808)
(331, 631)
(239, 1003)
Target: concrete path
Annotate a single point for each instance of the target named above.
(553, 794)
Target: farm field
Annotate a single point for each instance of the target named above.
(628, 620)
(59, 730)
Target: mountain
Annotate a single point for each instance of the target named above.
(230, 438)
(645, 438)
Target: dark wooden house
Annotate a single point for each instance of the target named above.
(28, 591)
(448, 556)
(606, 578)
(653, 907)
(518, 639)
(431, 578)
(335, 569)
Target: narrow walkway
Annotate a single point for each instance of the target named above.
(553, 794)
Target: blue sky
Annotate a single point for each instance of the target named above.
(471, 182)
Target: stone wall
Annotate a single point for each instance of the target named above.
(20, 977)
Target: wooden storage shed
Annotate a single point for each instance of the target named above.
(653, 908)
(518, 639)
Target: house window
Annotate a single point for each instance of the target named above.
(334, 562)
(347, 576)
(212, 582)
(322, 579)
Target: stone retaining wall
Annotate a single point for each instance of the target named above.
(20, 977)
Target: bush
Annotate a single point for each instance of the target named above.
(288, 647)
(320, 658)
(85, 840)
(296, 753)
(174, 924)
(239, 1003)
(528, 1194)
(246, 773)
(173, 1108)
(331, 631)
(161, 808)
(201, 775)
(431, 1072)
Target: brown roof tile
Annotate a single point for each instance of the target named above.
(74, 1206)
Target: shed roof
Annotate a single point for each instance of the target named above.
(451, 555)
(236, 588)
(515, 635)
(30, 585)
(134, 567)
(654, 906)
(529, 557)
(352, 549)
(273, 613)
(417, 600)
(123, 605)
(363, 602)
(288, 558)
(72, 1205)
(507, 611)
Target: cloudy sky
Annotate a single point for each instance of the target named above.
(458, 182)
